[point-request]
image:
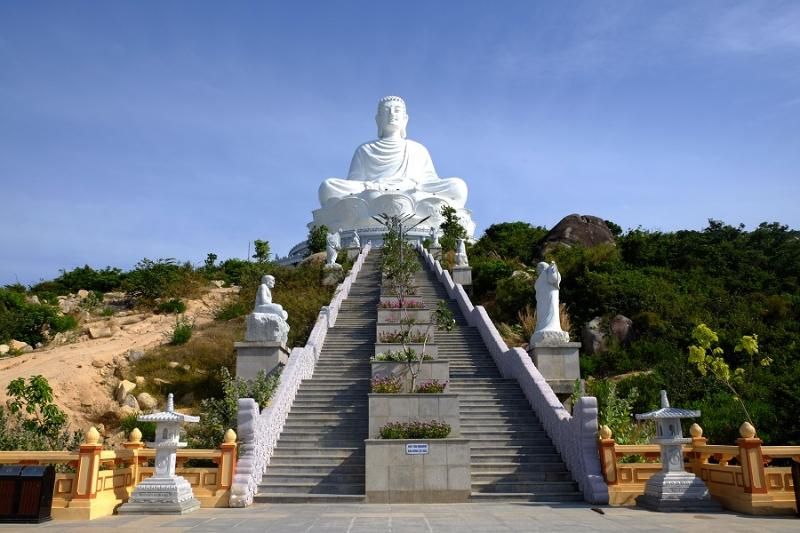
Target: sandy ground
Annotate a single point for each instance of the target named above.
(82, 373)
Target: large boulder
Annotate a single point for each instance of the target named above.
(146, 401)
(621, 327)
(124, 388)
(581, 230)
(19, 346)
(593, 337)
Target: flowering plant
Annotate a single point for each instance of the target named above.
(386, 385)
(431, 387)
(415, 430)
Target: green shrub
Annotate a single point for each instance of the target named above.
(105, 280)
(415, 430)
(317, 239)
(230, 310)
(33, 421)
(182, 332)
(173, 306)
(129, 422)
(400, 356)
(220, 414)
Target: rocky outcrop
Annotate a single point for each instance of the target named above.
(577, 230)
(595, 333)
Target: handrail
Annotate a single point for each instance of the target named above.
(259, 431)
(574, 436)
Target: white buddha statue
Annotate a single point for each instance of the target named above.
(264, 299)
(548, 318)
(392, 175)
(394, 164)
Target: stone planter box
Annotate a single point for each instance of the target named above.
(394, 316)
(440, 476)
(428, 370)
(421, 329)
(430, 349)
(404, 407)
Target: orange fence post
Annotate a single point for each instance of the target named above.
(751, 460)
(608, 457)
(88, 466)
(227, 464)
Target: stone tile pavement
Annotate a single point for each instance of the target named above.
(460, 518)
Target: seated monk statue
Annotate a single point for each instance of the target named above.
(264, 299)
(393, 164)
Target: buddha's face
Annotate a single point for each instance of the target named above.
(392, 119)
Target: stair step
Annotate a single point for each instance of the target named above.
(278, 497)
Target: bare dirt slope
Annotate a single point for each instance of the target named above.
(82, 373)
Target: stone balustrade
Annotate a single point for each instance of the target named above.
(574, 435)
(259, 430)
(738, 477)
(93, 482)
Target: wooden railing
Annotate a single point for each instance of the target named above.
(96, 481)
(738, 477)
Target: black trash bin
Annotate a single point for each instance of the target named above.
(26, 493)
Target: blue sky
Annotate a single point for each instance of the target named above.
(171, 129)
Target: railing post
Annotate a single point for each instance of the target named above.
(227, 464)
(698, 440)
(88, 466)
(752, 460)
(134, 444)
(608, 457)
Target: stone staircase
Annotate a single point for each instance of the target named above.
(512, 459)
(320, 454)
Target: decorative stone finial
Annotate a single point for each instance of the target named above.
(664, 399)
(747, 430)
(170, 404)
(605, 432)
(695, 431)
(230, 437)
(135, 436)
(92, 436)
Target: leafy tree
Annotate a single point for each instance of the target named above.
(210, 262)
(511, 240)
(452, 230)
(35, 422)
(710, 359)
(262, 251)
(317, 237)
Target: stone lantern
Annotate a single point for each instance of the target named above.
(673, 489)
(164, 492)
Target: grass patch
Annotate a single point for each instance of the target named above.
(206, 352)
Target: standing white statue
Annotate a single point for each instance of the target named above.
(356, 240)
(435, 238)
(461, 254)
(267, 322)
(332, 245)
(548, 320)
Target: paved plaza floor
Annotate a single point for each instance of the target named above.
(466, 518)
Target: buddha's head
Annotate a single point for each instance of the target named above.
(391, 118)
(268, 280)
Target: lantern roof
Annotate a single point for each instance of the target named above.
(169, 415)
(668, 412)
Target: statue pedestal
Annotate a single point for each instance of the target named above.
(462, 275)
(435, 251)
(558, 364)
(252, 357)
(353, 252)
(161, 495)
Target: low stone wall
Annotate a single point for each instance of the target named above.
(428, 370)
(429, 349)
(440, 476)
(384, 408)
